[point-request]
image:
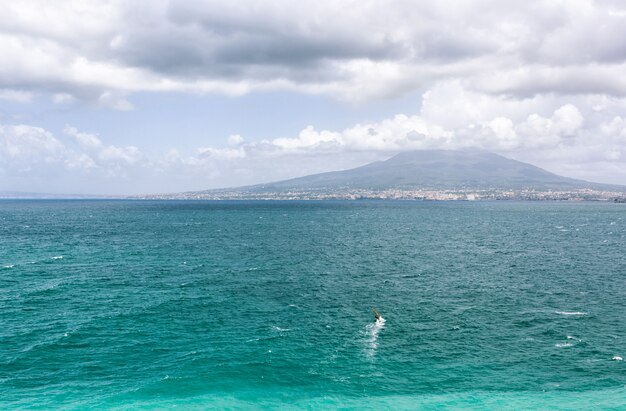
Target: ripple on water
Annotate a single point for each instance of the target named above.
(124, 311)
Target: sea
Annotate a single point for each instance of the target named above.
(196, 305)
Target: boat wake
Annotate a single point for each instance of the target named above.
(371, 336)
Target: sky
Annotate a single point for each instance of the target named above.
(156, 96)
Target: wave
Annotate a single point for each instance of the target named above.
(44, 286)
(563, 345)
(371, 333)
(8, 266)
(570, 313)
(57, 257)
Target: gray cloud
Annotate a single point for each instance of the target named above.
(541, 81)
(333, 48)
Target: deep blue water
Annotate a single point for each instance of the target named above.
(151, 305)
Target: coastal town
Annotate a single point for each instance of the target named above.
(401, 194)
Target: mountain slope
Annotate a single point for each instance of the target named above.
(435, 169)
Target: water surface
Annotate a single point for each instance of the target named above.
(144, 305)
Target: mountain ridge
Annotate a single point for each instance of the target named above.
(433, 169)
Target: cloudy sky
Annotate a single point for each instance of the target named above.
(123, 97)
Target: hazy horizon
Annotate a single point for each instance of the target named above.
(121, 98)
(21, 194)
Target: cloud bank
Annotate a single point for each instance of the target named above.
(103, 50)
(540, 81)
(583, 137)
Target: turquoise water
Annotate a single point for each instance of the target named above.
(240, 305)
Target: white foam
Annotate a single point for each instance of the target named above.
(570, 313)
(371, 332)
(276, 328)
(8, 266)
(617, 358)
(57, 257)
(49, 285)
(563, 345)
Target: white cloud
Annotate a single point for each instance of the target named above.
(24, 147)
(86, 140)
(104, 50)
(616, 128)
(541, 81)
(560, 133)
(504, 130)
(17, 96)
(131, 154)
(62, 98)
(563, 134)
(567, 120)
(80, 162)
(221, 153)
(235, 140)
(108, 99)
(106, 154)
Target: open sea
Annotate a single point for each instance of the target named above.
(141, 305)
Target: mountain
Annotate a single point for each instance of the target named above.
(436, 169)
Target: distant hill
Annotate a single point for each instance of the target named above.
(434, 169)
